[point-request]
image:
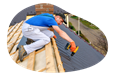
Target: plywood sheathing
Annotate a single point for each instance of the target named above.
(50, 63)
(14, 36)
(45, 60)
(31, 61)
(11, 29)
(41, 59)
(58, 58)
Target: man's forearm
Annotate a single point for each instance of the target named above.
(65, 36)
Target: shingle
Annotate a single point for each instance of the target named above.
(85, 57)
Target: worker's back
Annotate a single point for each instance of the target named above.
(44, 20)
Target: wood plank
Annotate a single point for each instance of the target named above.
(13, 32)
(12, 53)
(58, 58)
(40, 50)
(16, 56)
(15, 45)
(28, 17)
(42, 70)
(11, 46)
(24, 63)
(50, 65)
(40, 61)
(28, 55)
(9, 28)
(31, 61)
(12, 29)
(14, 39)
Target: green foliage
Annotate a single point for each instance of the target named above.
(86, 23)
(81, 35)
(71, 26)
(70, 23)
(77, 32)
(75, 17)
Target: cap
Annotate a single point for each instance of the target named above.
(63, 17)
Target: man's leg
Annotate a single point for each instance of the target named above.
(48, 33)
(35, 34)
(40, 40)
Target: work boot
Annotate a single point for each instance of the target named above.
(22, 52)
(29, 41)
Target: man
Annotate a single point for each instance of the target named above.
(36, 28)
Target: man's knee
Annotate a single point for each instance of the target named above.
(47, 40)
(48, 33)
(51, 34)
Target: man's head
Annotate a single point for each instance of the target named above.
(60, 18)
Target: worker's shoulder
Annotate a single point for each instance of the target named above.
(45, 14)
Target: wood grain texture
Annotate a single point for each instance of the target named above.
(58, 58)
(50, 65)
(31, 61)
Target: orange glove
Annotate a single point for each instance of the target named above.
(54, 36)
(73, 46)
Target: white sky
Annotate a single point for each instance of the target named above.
(3, 41)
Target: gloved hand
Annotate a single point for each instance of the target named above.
(54, 36)
(73, 46)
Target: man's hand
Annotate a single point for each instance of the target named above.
(73, 46)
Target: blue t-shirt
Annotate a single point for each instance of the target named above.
(44, 20)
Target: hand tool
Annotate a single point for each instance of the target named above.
(68, 46)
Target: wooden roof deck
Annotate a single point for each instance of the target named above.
(46, 59)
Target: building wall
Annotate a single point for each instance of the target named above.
(44, 8)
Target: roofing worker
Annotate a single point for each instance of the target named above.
(36, 28)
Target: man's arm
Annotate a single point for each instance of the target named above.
(62, 34)
(66, 37)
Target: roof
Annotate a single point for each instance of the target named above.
(85, 57)
(9, 12)
(46, 59)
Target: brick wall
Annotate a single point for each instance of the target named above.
(44, 8)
